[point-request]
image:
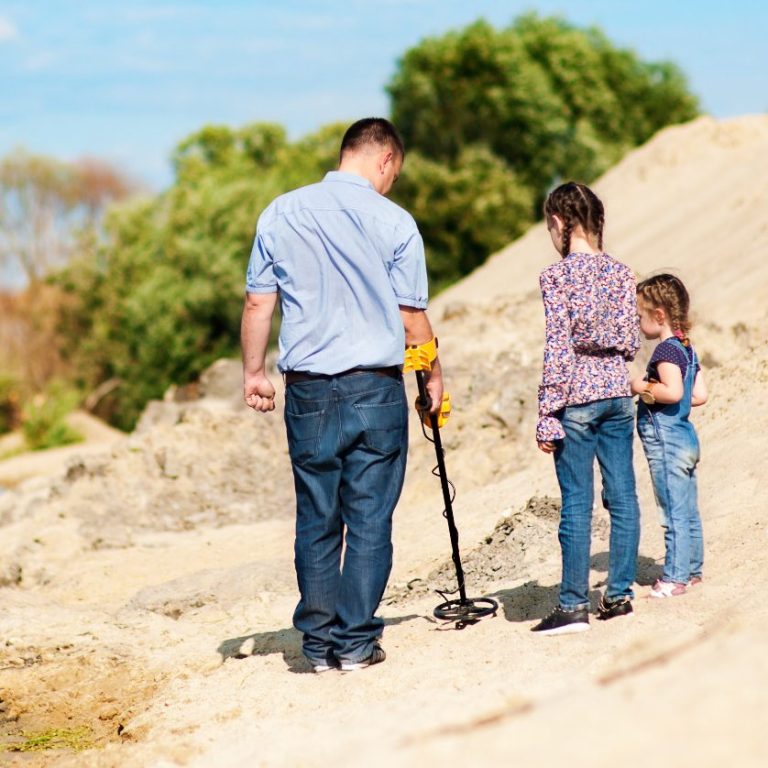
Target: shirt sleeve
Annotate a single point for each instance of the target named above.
(408, 271)
(558, 360)
(628, 325)
(669, 352)
(260, 275)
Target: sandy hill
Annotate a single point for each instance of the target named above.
(147, 590)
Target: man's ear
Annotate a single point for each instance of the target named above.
(385, 158)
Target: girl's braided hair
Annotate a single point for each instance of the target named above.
(576, 204)
(667, 292)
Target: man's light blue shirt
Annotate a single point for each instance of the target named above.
(344, 258)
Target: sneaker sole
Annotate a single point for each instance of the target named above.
(567, 629)
(358, 667)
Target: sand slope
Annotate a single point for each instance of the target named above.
(148, 591)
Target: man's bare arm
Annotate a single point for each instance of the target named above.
(254, 336)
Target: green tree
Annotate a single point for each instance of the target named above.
(45, 204)
(464, 211)
(492, 118)
(159, 298)
(551, 99)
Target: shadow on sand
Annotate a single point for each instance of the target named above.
(532, 601)
(648, 569)
(283, 641)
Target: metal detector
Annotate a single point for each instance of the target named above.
(463, 610)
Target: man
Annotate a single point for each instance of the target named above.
(349, 268)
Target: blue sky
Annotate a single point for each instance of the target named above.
(127, 81)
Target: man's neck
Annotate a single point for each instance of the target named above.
(358, 167)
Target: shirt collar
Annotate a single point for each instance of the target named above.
(349, 178)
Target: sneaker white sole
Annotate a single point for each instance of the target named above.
(663, 595)
(567, 629)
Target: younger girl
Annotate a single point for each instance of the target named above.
(585, 404)
(672, 384)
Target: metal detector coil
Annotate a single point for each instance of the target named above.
(463, 610)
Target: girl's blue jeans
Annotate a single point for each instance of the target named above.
(348, 440)
(672, 449)
(601, 430)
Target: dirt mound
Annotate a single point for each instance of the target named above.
(511, 550)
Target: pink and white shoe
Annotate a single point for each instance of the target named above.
(667, 589)
(694, 581)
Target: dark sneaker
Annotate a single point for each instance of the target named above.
(563, 622)
(610, 609)
(376, 657)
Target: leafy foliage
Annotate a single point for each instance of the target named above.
(551, 99)
(45, 203)
(464, 212)
(9, 403)
(160, 300)
(44, 417)
(491, 119)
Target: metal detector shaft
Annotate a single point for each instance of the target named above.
(453, 531)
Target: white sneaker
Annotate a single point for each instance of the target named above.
(667, 589)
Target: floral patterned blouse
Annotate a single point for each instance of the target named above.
(592, 330)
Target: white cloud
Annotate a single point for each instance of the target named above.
(8, 30)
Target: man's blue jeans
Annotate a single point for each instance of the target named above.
(672, 449)
(604, 430)
(348, 441)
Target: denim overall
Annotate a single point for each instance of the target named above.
(672, 449)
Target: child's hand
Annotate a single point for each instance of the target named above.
(638, 385)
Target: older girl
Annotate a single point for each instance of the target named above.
(585, 404)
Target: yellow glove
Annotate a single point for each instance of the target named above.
(419, 357)
(442, 414)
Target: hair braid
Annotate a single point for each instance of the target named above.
(576, 204)
(568, 222)
(600, 226)
(667, 292)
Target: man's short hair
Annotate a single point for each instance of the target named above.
(376, 131)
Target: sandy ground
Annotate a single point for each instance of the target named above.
(147, 587)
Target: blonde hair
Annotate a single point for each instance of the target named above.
(667, 292)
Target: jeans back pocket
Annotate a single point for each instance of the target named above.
(303, 430)
(384, 426)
